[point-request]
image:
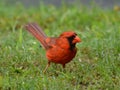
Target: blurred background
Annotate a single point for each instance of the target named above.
(97, 63)
(102, 3)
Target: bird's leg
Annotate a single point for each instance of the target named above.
(46, 67)
(63, 65)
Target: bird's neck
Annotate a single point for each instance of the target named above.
(72, 46)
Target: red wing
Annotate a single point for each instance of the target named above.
(51, 41)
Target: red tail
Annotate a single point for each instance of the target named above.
(37, 32)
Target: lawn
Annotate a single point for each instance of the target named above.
(22, 59)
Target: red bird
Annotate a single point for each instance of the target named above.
(59, 50)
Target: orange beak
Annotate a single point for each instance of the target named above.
(76, 39)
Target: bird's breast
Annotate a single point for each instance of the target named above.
(60, 55)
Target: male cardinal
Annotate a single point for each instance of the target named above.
(59, 50)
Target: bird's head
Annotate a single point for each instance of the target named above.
(71, 37)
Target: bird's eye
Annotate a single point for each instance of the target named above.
(73, 36)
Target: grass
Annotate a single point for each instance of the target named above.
(22, 60)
